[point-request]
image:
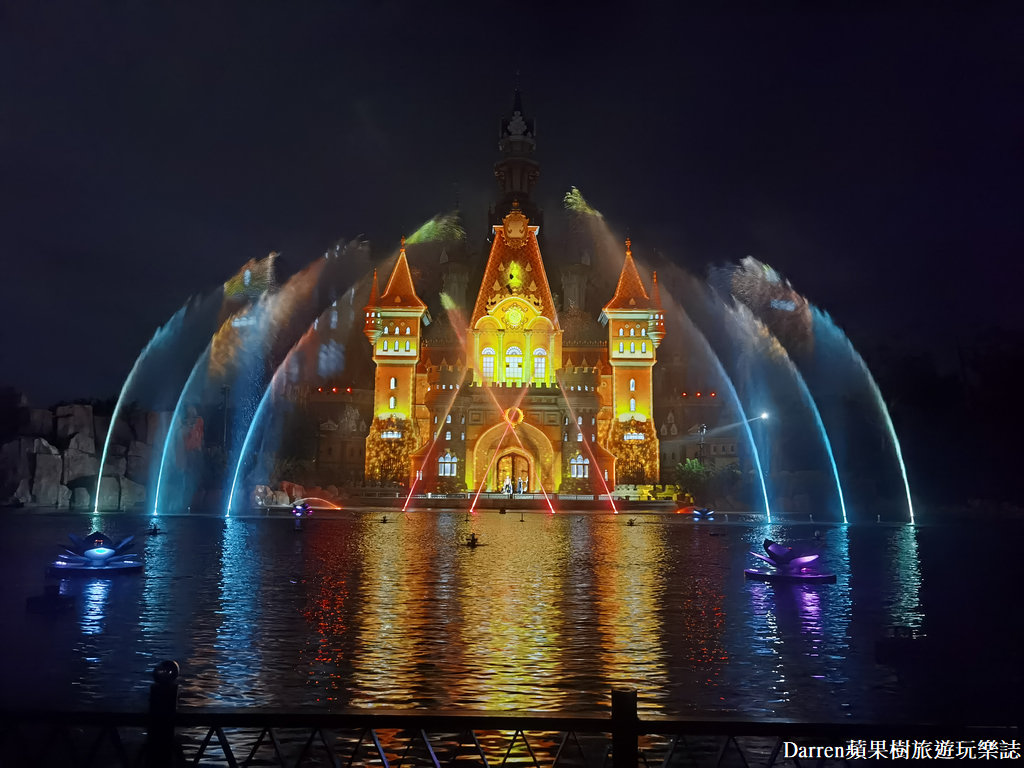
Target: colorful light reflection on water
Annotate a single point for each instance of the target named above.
(548, 614)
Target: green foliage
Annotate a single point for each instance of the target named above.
(692, 477)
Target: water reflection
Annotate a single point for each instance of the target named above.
(904, 567)
(95, 593)
(549, 614)
(802, 630)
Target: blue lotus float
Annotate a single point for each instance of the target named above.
(786, 565)
(95, 555)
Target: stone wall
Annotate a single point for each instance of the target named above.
(55, 461)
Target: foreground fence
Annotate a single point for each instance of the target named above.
(167, 736)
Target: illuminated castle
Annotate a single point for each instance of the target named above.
(497, 393)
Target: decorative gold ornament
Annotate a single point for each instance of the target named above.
(514, 227)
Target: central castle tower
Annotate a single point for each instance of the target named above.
(503, 394)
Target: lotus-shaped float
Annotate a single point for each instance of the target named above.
(95, 554)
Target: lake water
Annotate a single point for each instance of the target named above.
(549, 614)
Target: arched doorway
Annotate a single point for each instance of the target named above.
(514, 467)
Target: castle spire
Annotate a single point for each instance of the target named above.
(370, 324)
(517, 171)
(400, 291)
(630, 292)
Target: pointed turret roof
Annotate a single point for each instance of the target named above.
(525, 251)
(630, 292)
(374, 293)
(400, 292)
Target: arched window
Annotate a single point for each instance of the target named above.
(487, 360)
(385, 345)
(579, 437)
(632, 346)
(632, 331)
(643, 346)
(513, 364)
(406, 345)
(632, 385)
(448, 419)
(643, 331)
(620, 346)
(539, 363)
(385, 330)
(448, 465)
(447, 435)
(392, 403)
(579, 419)
(621, 331)
(394, 383)
(579, 466)
(408, 330)
(632, 404)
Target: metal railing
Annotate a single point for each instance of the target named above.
(167, 736)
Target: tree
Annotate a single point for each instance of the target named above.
(693, 478)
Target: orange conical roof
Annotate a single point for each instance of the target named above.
(630, 292)
(400, 292)
(374, 293)
(525, 251)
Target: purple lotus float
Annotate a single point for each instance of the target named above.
(787, 565)
(95, 555)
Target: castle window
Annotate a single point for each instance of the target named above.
(632, 346)
(447, 435)
(620, 347)
(579, 437)
(463, 436)
(593, 420)
(539, 363)
(632, 404)
(385, 330)
(620, 331)
(408, 330)
(385, 345)
(513, 364)
(632, 331)
(643, 347)
(394, 383)
(643, 331)
(334, 318)
(487, 358)
(448, 419)
(448, 465)
(392, 403)
(632, 385)
(579, 466)
(664, 429)
(593, 437)
(579, 419)
(407, 345)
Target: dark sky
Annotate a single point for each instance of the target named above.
(147, 150)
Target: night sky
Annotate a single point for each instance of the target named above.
(873, 157)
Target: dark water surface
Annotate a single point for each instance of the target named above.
(549, 615)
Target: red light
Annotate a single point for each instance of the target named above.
(349, 390)
(698, 394)
(319, 389)
(334, 389)
(713, 394)
(682, 394)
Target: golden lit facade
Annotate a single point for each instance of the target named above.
(512, 390)
(501, 404)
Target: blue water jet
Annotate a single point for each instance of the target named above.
(201, 363)
(824, 322)
(163, 332)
